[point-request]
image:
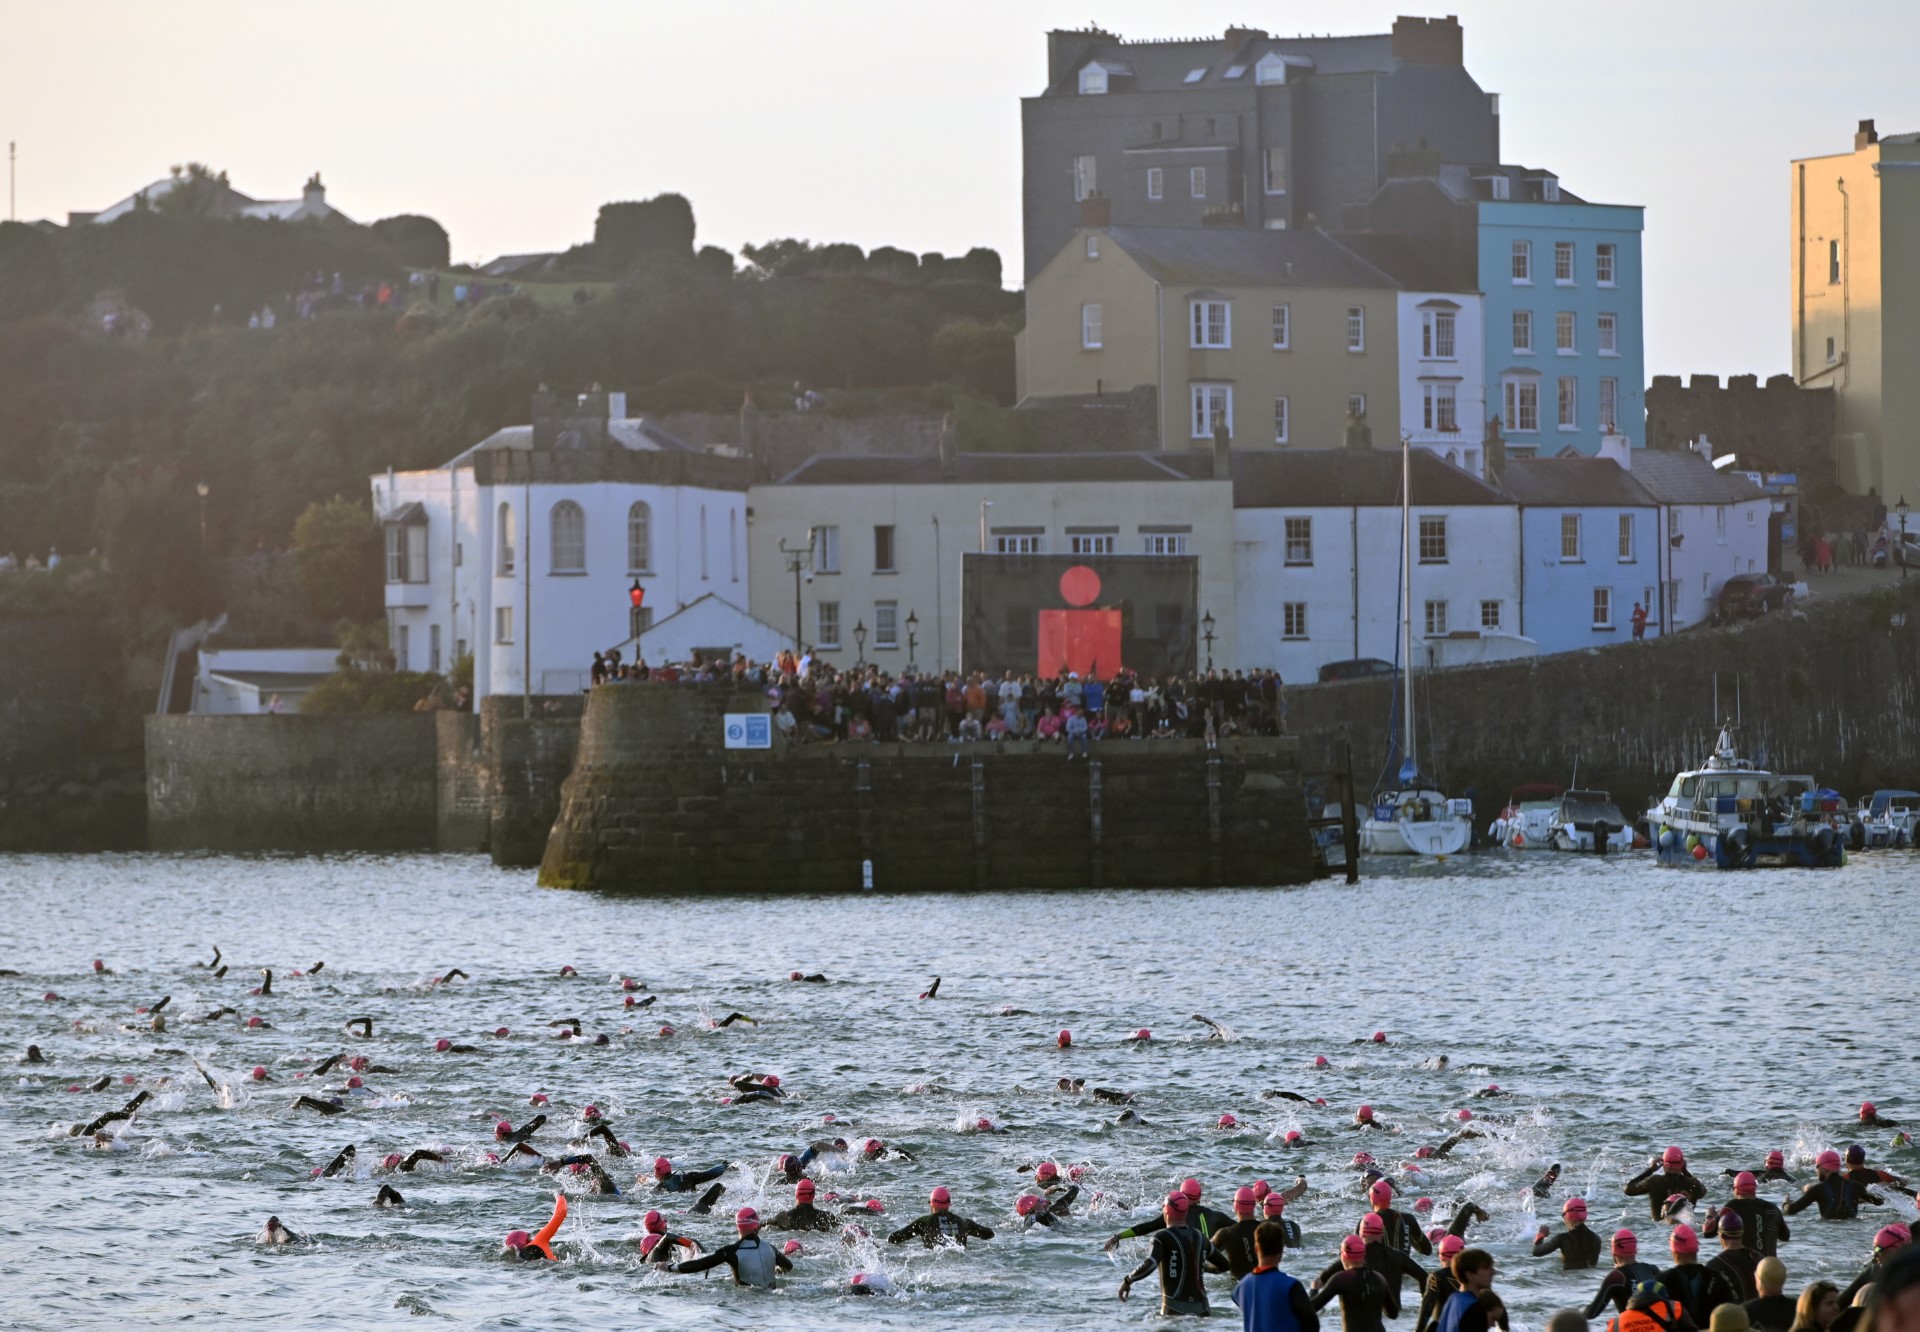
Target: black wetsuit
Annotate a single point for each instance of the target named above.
(1616, 1287)
(1390, 1263)
(1365, 1297)
(669, 1242)
(1465, 1216)
(1737, 1265)
(1837, 1197)
(752, 1259)
(936, 1226)
(1658, 1185)
(1579, 1248)
(1403, 1231)
(1234, 1244)
(1763, 1174)
(686, 1181)
(804, 1216)
(1439, 1287)
(1203, 1219)
(1181, 1253)
(1772, 1313)
(1699, 1289)
(1765, 1225)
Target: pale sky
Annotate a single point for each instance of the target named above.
(898, 122)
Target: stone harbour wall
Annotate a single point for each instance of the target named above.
(656, 804)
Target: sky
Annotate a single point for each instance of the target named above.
(898, 123)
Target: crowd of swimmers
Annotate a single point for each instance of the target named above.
(1741, 1286)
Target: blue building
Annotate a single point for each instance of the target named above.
(1561, 278)
(1589, 551)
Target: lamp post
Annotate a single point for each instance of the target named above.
(859, 644)
(637, 595)
(1206, 632)
(203, 490)
(798, 558)
(1901, 509)
(913, 641)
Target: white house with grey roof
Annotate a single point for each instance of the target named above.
(524, 550)
(1713, 524)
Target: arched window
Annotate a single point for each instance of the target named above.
(569, 538)
(505, 542)
(639, 538)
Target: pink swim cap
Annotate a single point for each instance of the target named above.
(1624, 1242)
(1451, 1246)
(50, 996)
(1379, 1038)
(1435, 1234)
(1674, 1159)
(1191, 1188)
(655, 1223)
(443, 1045)
(1064, 1039)
(1244, 1197)
(629, 984)
(1372, 1226)
(355, 1083)
(1890, 1237)
(1381, 1192)
(1046, 1170)
(1776, 1159)
(648, 1243)
(390, 1160)
(98, 965)
(502, 1129)
(1227, 1121)
(1143, 1035)
(790, 1248)
(1364, 1114)
(873, 1147)
(1274, 1203)
(1423, 1204)
(1493, 1086)
(1463, 1114)
(1684, 1240)
(1320, 1061)
(517, 1239)
(1177, 1203)
(1261, 1188)
(1422, 1152)
(1866, 1107)
(1293, 1135)
(538, 1098)
(1574, 1209)
(590, 1111)
(662, 1167)
(629, 1002)
(940, 1199)
(1745, 1185)
(771, 1080)
(747, 1220)
(1827, 1160)
(875, 1205)
(502, 1032)
(1027, 1205)
(259, 1073)
(358, 1063)
(666, 1029)
(793, 975)
(1353, 1247)
(127, 1079)
(253, 1022)
(984, 1124)
(1363, 1158)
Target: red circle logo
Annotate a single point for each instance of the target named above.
(1079, 586)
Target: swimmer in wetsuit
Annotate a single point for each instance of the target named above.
(668, 1180)
(732, 1018)
(539, 1245)
(752, 1082)
(1365, 1295)
(1467, 1309)
(1764, 1224)
(1887, 1242)
(343, 1160)
(1544, 1185)
(1402, 1231)
(1866, 1176)
(506, 1132)
(364, 1023)
(940, 1223)
(33, 1056)
(817, 978)
(933, 989)
(1665, 1175)
(1698, 1289)
(1235, 1243)
(1775, 1168)
(451, 974)
(1440, 1285)
(1205, 1220)
(326, 1107)
(1578, 1247)
(112, 1116)
(1837, 1197)
(583, 1161)
(659, 1244)
(276, 1233)
(1273, 1208)
(1363, 1118)
(1216, 1032)
(388, 1197)
(1618, 1285)
(1182, 1255)
(803, 1215)
(1735, 1261)
(1871, 1117)
(1393, 1265)
(753, 1260)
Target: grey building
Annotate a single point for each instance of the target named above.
(1244, 130)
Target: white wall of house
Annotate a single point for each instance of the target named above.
(1717, 541)
(1347, 583)
(1426, 375)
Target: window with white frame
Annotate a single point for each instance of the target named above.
(1274, 170)
(1603, 608)
(1570, 538)
(1609, 403)
(1566, 337)
(1293, 622)
(1603, 265)
(1090, 543)
(1093, 245)
(1211, 323)
(1439, 407)
(1356, 404)
(1523, 332)
(1090, 326)
(886, 624)
(1502, 187)
(1522, 262)
(1833, 263)
(433, 648)
(1270, 69)
(1197, 182)
(503, 624)
(826, 550)
(403, 649)
(1433, 539)
(1608, 340)
(1436, 619)
(1550, 190)
(1084, 176)
(506, 527)
(639, 537)
(1625, 541)
(827, 625)
(1569, 417)
(1720, 525)
(406, 553)
(1019, 543)
(568, 538)
(1299, 541)
(1563, 263)
(1356, 328)
(883, 549)
(1279, 420)
(1282, 327)
(1212, 404)
(1156, 182)
(1165, 543)
(1093, 81)
(1436, 335)
(1522, 403)
(1489, 615)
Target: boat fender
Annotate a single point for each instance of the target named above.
(1823, 839)
(1736, 840)
(1858, 836)
(1669, 840)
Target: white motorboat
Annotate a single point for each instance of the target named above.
(1579, 816)
(1526, 823)
(1735, 813)
(1887, 819)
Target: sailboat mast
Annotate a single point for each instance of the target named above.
(1406, 595)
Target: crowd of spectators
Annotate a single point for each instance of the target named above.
(814, 703)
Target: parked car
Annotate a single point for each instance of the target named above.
(1745, 596)
(1360, 668)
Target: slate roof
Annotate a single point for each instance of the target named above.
(1338, 478)
(1164, 66)
(1573, 483)
(1675, 477)
(848, 469)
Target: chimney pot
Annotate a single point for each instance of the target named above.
(1865, 135)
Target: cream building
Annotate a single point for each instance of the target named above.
(1282, 334)
(882, 540)
(1855, 244)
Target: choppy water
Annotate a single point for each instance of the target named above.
(1626, 1006)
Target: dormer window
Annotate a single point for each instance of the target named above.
(1093, 81)
(1270, 69)
(1195, 75)
(1500, 187)
(1549, 189)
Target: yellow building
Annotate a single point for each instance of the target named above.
(1283, 334)
(1856, 304)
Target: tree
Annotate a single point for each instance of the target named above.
(976, 356)
(198, 192)
(418, 242)
(29, 272)
(338, 548)
(624, 233)
(153, 543)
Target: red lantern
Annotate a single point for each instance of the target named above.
(636, 594)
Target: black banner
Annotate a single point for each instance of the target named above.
(1093, 614)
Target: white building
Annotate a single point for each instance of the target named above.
(1443, 400)
(1714, 524)
(524, 549)
(1317, 554)
(248, 681)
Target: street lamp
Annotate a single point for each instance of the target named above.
(1206, 632)
(913, 626)
(637, 595)
(203, 489)
(859, 644)
(798, 560)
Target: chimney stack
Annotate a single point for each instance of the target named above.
(1428, 41)
(1866, 135)
(1493, 449)
(1096, 210)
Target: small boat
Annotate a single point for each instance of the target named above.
(1739, 815)
(1887, 819)
(1527, 822)
(1579, 819)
